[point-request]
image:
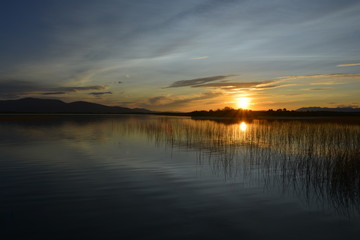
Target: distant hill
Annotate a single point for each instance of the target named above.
(36, 105)
(324, 109)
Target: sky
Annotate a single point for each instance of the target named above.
(183, 55)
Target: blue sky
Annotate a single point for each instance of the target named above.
(182, 55)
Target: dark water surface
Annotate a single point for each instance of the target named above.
(150, 177)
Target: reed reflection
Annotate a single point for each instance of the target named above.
(319, 162)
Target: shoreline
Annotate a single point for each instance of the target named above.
(34, 116)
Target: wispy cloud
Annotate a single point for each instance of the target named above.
(237, 85)
(199, 58)
(197, 81)
(20, 88)
(349, 64)
(311, 83)
(333, 75)
(99, 93)
(215, 83)
(16, 88)
(77, 89)
(65, 90)
(317, 89)
(175, 101)
(160, 100)
(53, 93)
(348, 106)
(326, 83)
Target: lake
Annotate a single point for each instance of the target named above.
(156, 177)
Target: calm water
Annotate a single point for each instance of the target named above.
(149, 177)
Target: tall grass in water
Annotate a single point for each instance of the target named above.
(317, 160)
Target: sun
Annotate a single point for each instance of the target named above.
(243, 102)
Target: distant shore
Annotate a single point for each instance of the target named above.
(343, 119)
(54, 107)
(354, 119)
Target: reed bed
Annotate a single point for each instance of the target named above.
(318, 161)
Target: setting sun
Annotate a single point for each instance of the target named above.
(243, 102)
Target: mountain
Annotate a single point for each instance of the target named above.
(37, 105)
(324, 109)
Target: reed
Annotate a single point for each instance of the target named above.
(318, 161)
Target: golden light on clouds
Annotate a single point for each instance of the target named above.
(349, 64)
(243, 102)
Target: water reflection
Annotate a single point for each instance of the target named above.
(243, 126)
(319, 162)
(316, 161)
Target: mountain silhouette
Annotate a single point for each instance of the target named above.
(37, 105)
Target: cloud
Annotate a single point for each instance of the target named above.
(20, 88)
(210, 82)
(128, 103)
(269, 87)
(203, 96)
(173, 101)
(348, 106)
(199, 58)
(333, 75)
(53, 93)
(204, 82)
(77, 89)
(16, 88)
(99, 93)
(317, 89)
(197, 81)
(348, 64)
(64, 90)
(159, 100)
(234, 87)
(320, 80)
(238, 85)
(326, 83)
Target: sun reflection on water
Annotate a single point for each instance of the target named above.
(243, 126)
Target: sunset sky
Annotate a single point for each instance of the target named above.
(182, 55)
